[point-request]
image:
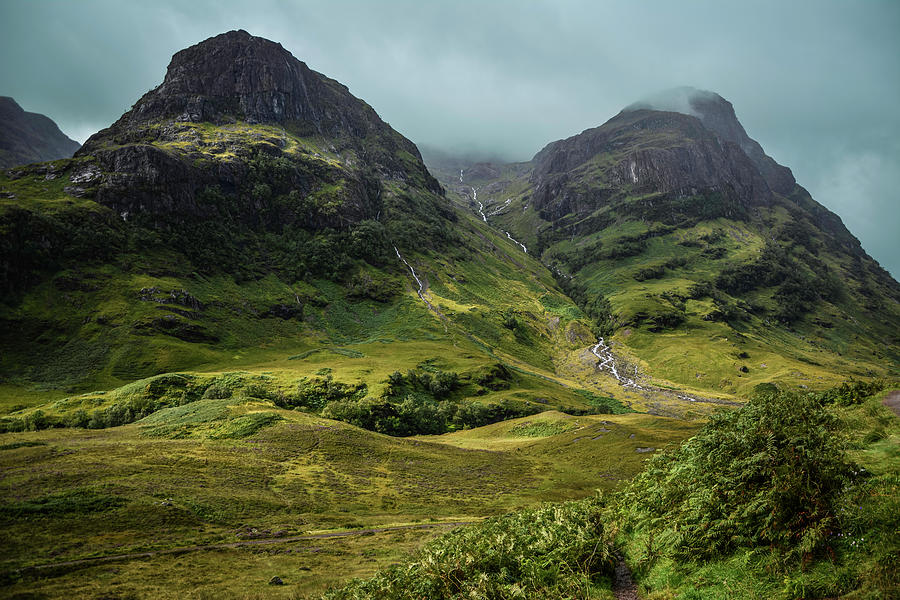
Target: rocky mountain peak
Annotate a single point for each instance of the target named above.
(717, 114)
(236, 76)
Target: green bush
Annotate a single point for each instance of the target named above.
(651, 272)
(419, 414)
(766, 475)
(438, 384)
(316, 392)
(217, 392)
(853, 392)
(552, 552)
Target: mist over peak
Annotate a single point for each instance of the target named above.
(682, 99)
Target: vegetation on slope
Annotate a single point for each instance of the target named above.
(791, 496)
(555, 551)
(715, 283)
(224, 470)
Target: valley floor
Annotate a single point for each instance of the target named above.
(118, 491)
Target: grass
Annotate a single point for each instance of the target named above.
(556, 551)
(295, 474)
(305, 566)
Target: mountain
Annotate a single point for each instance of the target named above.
(251, 214)
(695, 252)
(244, 312)
(249, 211)
(27, 137)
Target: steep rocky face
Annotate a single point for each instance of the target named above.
(27, 137)
(641, 152)
(237, 76)
(228, 105)
(717, 114)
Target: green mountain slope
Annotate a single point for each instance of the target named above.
(251, 215)
(709, 264)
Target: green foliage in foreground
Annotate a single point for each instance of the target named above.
(768, 475)
(790, 497)
(556, 551)
(853, 392)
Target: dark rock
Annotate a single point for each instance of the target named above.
(239, 77)
(276, 581)
(176, 327)
(78, 192)
(73, 283)
(184, 313)
(30, 137)
(717, 114)
(652, 152)
(182, 297)
(285, 311)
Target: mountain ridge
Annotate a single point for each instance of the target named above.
(27, 137)
(185, 244)
(676, 223)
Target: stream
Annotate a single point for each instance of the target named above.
(484, 216)
(607, 361)
(421, 290)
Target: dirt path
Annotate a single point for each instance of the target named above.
(259, 542)
(892, 401)
(623, 586)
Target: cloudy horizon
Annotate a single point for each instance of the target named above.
(815, 82)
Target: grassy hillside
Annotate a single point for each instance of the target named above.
(792, 496)
(114, 300)
(698, 292)
(225, 470)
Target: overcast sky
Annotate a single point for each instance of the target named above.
(816, 82)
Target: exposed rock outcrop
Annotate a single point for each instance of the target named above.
(155, 161)
(643, 152)
(27, 137)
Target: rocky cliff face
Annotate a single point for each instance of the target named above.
(27, 137)
(225, 105)
(680, 144)
(237, 76)
(644, 152)
(717, 115)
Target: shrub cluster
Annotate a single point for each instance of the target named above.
(853, 392)
(317, 392)
(132, 403)
(552, 552)
(769, 474)
(799, 284)
(417, 414)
